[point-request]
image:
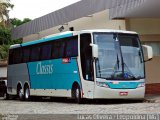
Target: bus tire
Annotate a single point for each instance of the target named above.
(6, 96)
(26, 93)
(20, 93)
(76, 93)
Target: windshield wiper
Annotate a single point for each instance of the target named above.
(117, 64)
(128, 71)
(124, 73)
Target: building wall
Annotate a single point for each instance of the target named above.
(96, 21)
(145, 26)
(149, 30)
(3, 72)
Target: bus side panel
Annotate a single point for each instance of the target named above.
(53, 74)
(17, 73)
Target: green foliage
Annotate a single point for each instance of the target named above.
(6, 25)
(5, 36)
(16, 22)
(4, 52)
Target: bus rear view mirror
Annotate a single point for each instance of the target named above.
(94, 50)
(148, 53)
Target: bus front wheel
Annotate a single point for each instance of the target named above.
(76, 93)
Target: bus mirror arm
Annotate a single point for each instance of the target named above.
(94, 50)
(148, 60)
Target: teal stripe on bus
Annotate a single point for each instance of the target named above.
(123, 85)
(47, 39)
(53, 74)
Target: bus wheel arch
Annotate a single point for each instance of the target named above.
(26, 91)
(20, 93)
(76, 92)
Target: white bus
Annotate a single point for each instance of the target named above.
(92, 64)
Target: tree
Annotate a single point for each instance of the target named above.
(5, 28)
(4, 52)
(5, 5)
(17, 22)
(5, 36)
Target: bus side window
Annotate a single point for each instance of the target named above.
(35, 54)
(55, 50)
(72, 47)
(58, 49)
(17, 56)
(46, 52)
(11, 57)
(61, 49)
(26, 54)
(86, 57)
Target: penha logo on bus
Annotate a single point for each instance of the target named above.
(44, 69)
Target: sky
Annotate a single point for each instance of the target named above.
(36, 8)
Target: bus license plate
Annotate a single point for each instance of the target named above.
(123, 93)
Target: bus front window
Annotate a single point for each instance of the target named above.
(107, 60)
(120, 57)
(132, 55)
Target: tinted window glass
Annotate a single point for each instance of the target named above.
(58, 49)
(61, 49)
(17, 55)
(86, 57)
(46, 52)
(55, 50)
(11, 56)
(35, 53)
(72, 47)
(26, 54)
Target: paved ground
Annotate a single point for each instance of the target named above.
(66, 106)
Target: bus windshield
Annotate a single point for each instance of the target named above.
(120, 56)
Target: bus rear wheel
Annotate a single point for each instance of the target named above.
(20, 93)
(26, 93)
(76, 93)
(6, 96)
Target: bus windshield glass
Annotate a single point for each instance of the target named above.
(120, 56)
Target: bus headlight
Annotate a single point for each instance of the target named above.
(141, 85)
(102, 84)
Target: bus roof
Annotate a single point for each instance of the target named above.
(72, 33)
(109, 31)
(15, 46)
(49, 38)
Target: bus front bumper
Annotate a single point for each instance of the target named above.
(108, 93)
